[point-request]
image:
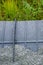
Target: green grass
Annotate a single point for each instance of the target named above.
(21, 9)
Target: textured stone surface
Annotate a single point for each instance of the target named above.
(23, 56)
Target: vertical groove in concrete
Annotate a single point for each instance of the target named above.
(14, 39)
(4, 26)
(37, 34)
(25, 27)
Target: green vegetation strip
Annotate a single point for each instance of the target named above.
(21, 10)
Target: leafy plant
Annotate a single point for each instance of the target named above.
(9, 9)
(21, 9)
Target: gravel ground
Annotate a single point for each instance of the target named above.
(23, 56)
